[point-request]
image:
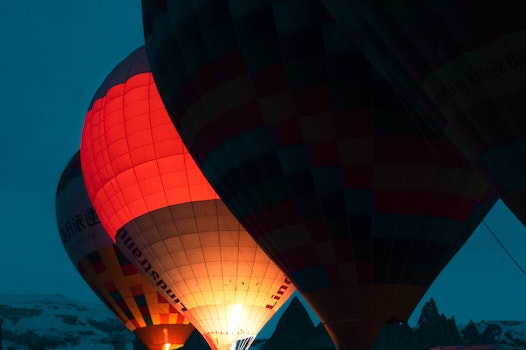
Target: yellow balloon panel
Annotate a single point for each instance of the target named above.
(130, 295)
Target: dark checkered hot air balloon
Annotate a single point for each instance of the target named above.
(463, 62)
(116, 281)
(314, 153)
(155, 202)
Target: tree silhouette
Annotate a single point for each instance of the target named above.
(470, 334)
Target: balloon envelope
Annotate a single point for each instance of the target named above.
(116, 281)
(463, 62)
(159, 208)
(315, 155)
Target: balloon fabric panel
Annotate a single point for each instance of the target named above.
(211, 265)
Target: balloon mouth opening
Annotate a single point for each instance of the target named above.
(243, 343)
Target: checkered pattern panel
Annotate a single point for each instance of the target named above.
(462, 62)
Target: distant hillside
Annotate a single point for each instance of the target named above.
(435, 329)
(512, 333)
(42, 322)
(55, 322)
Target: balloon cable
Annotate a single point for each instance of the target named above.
(503, 247)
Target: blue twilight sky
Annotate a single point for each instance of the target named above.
(54, 55)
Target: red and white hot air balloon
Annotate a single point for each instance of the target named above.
(156, 204)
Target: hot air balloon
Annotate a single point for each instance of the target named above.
(315, 154)
(463, 62)
(116, 281)
(161, 211)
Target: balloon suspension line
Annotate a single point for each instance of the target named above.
(504, 248)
